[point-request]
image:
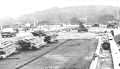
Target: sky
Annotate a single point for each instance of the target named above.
(16, 8)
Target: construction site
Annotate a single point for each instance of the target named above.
(60, 34)
(62, 47)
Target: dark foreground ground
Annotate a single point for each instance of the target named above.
(23, 56)
(74, 54)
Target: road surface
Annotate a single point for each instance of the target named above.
(76, 53)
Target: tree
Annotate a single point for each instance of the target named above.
(104, 19)
(74, 20)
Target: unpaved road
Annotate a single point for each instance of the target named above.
(23, 56)
(75, 54)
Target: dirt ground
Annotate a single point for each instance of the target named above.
(75, 54)
(23, 56)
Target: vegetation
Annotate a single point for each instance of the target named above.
(94, 14)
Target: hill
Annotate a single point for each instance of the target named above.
(7, 21)
(94, 14)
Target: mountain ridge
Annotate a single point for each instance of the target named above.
(94, 14)
(57, 15)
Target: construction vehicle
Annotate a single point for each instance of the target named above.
(95, 25)
(82, 28)
(50, 37)
(105, 41)
(106, 45)
(112, 25)
(38, 33)
(7, 48)
(31, 42)
(8, 32)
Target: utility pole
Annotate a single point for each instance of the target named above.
(118, 17)
(34, 22)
